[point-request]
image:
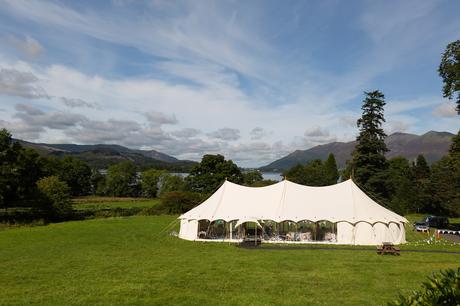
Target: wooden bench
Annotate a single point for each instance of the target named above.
(388, 248)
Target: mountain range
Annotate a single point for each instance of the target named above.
(103, 155)
(433, 145)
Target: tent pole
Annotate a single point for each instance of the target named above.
(230, 227)
(255, 240)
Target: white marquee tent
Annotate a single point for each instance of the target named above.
(294, 213)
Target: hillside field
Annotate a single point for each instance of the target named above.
(124, 261)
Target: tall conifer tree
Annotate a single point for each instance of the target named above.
(369, 160)
(421, 169)
(330, 169)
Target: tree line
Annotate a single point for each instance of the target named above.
(42, 187)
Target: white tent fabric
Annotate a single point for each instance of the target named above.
(359, 219)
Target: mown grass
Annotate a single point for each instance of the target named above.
(123, 261)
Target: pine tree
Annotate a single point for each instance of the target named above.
(421, 169)
(402, 193)
(421, 181)
(369, 161)
(445, 181)
(330, 169)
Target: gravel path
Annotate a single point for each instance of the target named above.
(453, 238)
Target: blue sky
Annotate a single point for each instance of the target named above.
(253, 80)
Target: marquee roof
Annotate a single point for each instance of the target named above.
(288, 201)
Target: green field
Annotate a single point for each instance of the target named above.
(123, 261)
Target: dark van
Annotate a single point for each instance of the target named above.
(434, 221)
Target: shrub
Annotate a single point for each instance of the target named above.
(440, 289)
(171, 182)
(149, 182)
(178, 202)
(55, 196)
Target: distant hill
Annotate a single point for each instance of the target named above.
(103, 155)
(433, 145)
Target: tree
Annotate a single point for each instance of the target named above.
(121, 180)
(19, 171)
(330, 169)
(251, 177)
(97, 182)
(9, 176)
(369, 156)
(296, 174)
(421, 169)
(77, 174)
(454, 150)
(178, 202)
(445, 186)
(399, 185)
(29, 168)
(421, 176)
(445, 181)
(56, 196)
(211, 172)
(263, 183)
(314, 173)
(449, 70)
(170, 182)
(149, 182)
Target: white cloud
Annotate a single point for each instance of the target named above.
(22, 130)
(258, 133)
(317, 135)
(227, 134)
(35, 117)
(316, 132)
(159, 118)
(186, 133)
(186, 35)
(396, 126)
(21, 84)
(27, 46)
(75, 102)
(216, 68)
(445, 110)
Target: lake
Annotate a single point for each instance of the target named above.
(275, 176)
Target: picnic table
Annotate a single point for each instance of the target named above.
(251, 241)
(388, 248)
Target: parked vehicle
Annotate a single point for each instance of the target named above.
(421, 227)
(432, 221)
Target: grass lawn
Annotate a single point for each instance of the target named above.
(123, 261)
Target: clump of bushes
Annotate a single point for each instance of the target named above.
(440, 289)
(178, 202)
(55, 197)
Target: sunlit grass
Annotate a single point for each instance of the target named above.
(123, 261)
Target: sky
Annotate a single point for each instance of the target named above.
(252, 80)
